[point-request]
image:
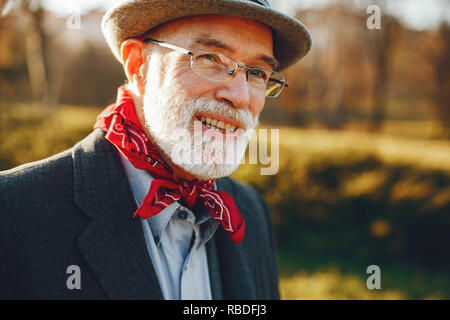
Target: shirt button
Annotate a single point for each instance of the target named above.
(182, 215)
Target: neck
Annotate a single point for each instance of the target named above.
(179, 172)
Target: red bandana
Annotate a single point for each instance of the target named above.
(124, 131)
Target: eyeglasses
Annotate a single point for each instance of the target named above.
(219, 67)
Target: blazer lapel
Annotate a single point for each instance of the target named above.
(113, 244)
(236, 261)
(215, 280)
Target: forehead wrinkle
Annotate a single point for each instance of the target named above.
(206, 40)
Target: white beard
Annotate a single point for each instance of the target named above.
(170, 122)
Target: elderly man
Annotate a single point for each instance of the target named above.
(130, 212)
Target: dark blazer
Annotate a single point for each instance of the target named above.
(76, 208)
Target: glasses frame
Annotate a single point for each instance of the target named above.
(247, 69)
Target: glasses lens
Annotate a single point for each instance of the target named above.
(275, 84)
(213, 66)
(258, 77)
(218, 67)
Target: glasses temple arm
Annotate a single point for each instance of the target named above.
(279, 81)
(166, 45)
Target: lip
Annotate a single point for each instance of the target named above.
(221, 118)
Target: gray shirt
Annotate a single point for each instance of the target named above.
(175, 239)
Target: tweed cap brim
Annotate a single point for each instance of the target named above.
(133, 18)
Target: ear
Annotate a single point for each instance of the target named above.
(133, 63)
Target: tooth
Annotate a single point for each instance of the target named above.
(221, 124)
(214, 122)
(203, 119)
(228, 126)
(208, 120)
(232, 127)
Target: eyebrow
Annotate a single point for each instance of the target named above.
(206, 40)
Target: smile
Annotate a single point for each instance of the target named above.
(216, 124)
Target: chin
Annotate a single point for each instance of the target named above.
(213, 162)
(208, 172)
(210, 159)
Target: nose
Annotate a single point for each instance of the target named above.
(235, 90)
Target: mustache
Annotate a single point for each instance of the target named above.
(244, 116)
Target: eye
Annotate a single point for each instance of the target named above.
(258, 73)
(208, 57)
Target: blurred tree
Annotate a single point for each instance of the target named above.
(442, 77)
(352, 72)
(93, 76)
(382, 44)
(14, 82)
(333, 79)
(35, 55)
(335, 115)
(2, 5)
(294, 101)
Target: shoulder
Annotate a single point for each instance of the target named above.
(36, 179)
(39, 225)
(47, 180)
(35, 200)
(242, 193)
(43, 191)
(248, 200)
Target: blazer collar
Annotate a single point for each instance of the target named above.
(113, 244)
(237, 262)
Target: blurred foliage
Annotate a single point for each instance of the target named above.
(351, 72)
(303, 277)
(347, 200)
(29, 133)
(333, 282)
(341, 201)
(331, 285)
(353, 196)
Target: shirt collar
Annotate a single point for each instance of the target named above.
(140, 181)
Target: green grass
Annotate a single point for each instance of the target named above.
(319, 277)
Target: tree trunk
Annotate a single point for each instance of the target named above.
(383, 52)
(35, 54)
(442, 74)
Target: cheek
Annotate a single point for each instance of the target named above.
(257, 104)
(192, 85)
(165, 71)
(187, 82)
